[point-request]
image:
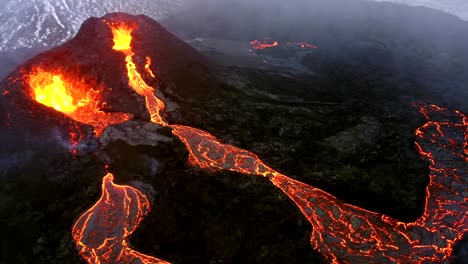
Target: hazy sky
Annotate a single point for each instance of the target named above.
(456, 7)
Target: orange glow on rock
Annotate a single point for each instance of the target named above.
(148, 67)
(71, 96)
(101, 232)
(302, 44)
(205, 151)
(122, 36)
(135, 81)
(53, 94)
(343, 233)
(265, 44)
(348, 234)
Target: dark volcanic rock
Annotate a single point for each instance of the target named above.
(373, 59)
(198, 216)
(43, 187)
(203, 217)
(342, 129)
(460, 250)
(290, 121)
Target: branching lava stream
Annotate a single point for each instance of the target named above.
(343, 233)
(101, 232)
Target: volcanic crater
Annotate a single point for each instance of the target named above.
(171, 140)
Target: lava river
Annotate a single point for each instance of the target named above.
(343, 233)
(267, 44)
(101, 231)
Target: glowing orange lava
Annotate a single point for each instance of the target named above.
(266, 44)
(207, 152)
(343, 233)
(348, 234)
(122, 38)
(71, 96)
(102, 231)
(148, 67)
(54, 94)
(302, 44)
(104, 239)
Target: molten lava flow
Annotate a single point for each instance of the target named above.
(122, 36)
(122, 39)
(101, 232)
(265, 44)
(303, 45)
(349, 234)
(343, 233)
(54, 95)
(71, 96)
(148, 67)
(207, 152)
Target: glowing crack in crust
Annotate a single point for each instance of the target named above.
(101, 232)
(343, 233)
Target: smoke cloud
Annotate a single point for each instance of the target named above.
(421, 50)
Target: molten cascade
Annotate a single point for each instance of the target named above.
(71, 96)
(148, 67)
(101, 232)
(122, 39)
(343, 233)
(54, 94)
(104, 239)
(122, 36)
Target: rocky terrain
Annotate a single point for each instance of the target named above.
(345, 123)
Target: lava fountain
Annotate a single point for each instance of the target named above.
(73, 97)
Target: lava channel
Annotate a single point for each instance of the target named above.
(343, 233)
(101, 232)
(265, 44)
